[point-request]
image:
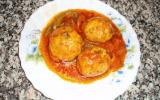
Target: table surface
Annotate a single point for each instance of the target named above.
(142, 14)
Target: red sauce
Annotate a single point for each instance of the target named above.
(115, 46)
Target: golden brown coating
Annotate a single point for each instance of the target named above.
(93, 61)
(65, 43)
(98, 30)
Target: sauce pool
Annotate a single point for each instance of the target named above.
(68, 70)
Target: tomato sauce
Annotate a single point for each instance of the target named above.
(68, 70)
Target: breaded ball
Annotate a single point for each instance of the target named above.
(65, 43)
(93, 61)
(98, 30)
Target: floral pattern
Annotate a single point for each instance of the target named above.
(130, 49)
(33, 53)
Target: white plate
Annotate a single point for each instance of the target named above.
(50, 84)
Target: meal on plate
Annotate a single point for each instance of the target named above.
(82, 46)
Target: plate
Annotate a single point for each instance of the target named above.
(49, 83)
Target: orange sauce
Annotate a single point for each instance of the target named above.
(115, 46)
